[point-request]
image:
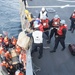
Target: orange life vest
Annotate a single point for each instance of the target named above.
(56, 22)
(59, 31)
(73, 15)
(1, 39)
(8, 55)
(1, 50)
(41, 28)
(21, 73)
(5, 64)
(45, 23)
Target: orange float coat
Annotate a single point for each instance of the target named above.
(73, 15)
(56, 22)
(45, 23)
(59, 31)
(1, 39)
(8, 55)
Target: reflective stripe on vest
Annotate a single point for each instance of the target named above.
(56, 22)
(43, 15)
(59, 31)
(73, 15)
(37, 36)
(45, 23)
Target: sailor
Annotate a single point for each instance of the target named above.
(40, 26)
(24, 3)
(43, 13)
(54, 24)
(72, 18)
(43, 16)
(60, 37)
(37, 41)
(28, 16)
(46, 25)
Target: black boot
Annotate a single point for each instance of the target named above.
(40, 56)
(72, 31)
(49, 41)
(52, 51)
(63, 49)
(69, 29)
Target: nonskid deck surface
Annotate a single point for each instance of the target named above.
(60, 62)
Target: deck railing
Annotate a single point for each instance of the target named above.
(29, 69)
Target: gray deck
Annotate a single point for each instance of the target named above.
(60, 62)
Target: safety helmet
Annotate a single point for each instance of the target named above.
(26, 11)
(17, 72)
(38, 20)
(36, 25)
(62, 22)
(0, 35)
(43, 9)
(6, 38)
(4, 61)
(56, 16)
(35, 22)
(74, 10)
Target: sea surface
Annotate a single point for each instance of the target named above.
(10, 18)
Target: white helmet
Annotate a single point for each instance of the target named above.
(35, 22)
(0, 35)
(36, 25)
(17, 72)
(62, 22)
(43, 9)
(56, 16)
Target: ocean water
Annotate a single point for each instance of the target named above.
(10, 18)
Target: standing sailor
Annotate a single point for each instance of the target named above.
(60, 37)
(43, 13)
(37, 41)
(72, 18)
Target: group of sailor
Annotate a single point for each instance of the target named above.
(43, 25)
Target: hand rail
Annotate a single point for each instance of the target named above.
(29, 69)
